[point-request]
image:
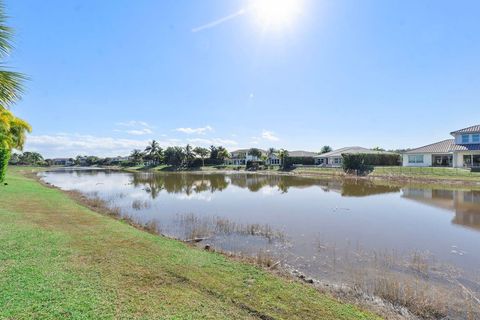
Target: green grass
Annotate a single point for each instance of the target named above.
(58, 260)
(429, 173)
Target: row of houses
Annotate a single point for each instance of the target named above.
(461, 151)
(329, 159)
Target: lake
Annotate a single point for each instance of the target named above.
(340, 230)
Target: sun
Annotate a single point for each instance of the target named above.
(276, 13)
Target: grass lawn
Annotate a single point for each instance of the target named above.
(58, 259)
(429, 173)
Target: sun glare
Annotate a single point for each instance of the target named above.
(276, 13)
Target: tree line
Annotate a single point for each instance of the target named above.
(178, 156)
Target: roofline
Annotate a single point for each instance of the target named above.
(428, 145)
(456, 131)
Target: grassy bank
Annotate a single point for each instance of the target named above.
(429, 173)
(58, 259)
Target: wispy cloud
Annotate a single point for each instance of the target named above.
(202, 130)
(269, 135)
(135, 128)
(217, 22)
(140, 132)
(214, 141)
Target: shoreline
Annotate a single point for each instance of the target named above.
(341, 292)
(236, 261)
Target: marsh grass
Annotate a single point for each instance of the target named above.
(196, 226)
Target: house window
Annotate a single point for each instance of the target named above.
(415, 159)
(465, 138)
(476, 138)
(337, 160)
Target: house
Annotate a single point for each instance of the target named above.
(463, 151)
(335, 159)
(63, 162)
(241, 157)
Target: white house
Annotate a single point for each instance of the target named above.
(463, 151)
(335, 159)
(241, 156)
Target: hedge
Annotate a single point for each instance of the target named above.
(362, 162)
(306, 161)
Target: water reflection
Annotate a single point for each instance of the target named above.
(464, 203)
(190, 183)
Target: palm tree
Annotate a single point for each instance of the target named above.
(283, 155)
(254, 152)
(189, 155)
(137, 156)
(202, 153)
(270, 153)
(325, 149)
(12, 129)
(153, 151)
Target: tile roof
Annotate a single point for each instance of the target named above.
(338, 152)
(472, 129)
(444, 146)
(301, 153)
(466, 147)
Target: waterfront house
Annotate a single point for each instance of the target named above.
(241, 156)
(463, 151)
(63, 162)
(335, 159)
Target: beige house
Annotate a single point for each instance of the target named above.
(463, 151)
(335, 158)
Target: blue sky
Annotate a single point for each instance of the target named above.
(107, 76)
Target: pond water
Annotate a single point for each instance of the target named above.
(327, 228)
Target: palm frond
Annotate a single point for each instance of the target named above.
(11, 87)
(6, 34)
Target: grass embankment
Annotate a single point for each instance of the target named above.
(59, 259)
(430, 173)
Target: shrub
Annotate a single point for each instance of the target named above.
(364, 162)
(4, 157)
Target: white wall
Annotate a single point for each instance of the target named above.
(427, 160)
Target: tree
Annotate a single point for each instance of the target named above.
(325, 149)
(189, 154)
(254, 152)
(12, 129)
(137, 156)
(31, 158)
(378, 149)
(175, 156)
(213, 153)
(202, 153)
(12, 136)
(222, 153)
(154, 152)
(283, 155)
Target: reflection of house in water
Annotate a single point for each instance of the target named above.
(465, 204)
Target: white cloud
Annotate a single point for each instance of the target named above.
(269, 135)
(134, 123)
(140, 132)
(71, 145)
(202, 130)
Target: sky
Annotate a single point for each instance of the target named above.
(105, 77)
